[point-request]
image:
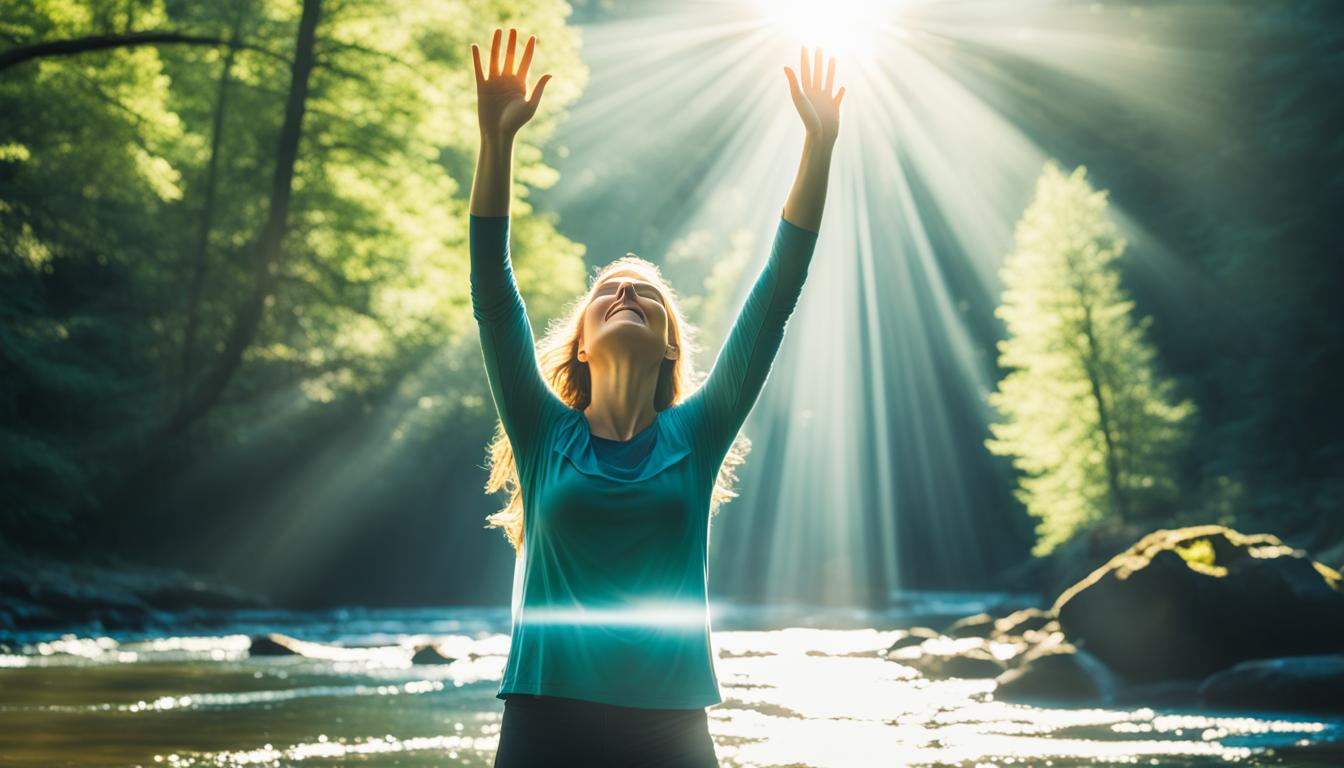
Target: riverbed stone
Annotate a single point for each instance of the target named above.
(913, 636)
(1306, 683)
(273, 644)
(1189, 602)
(429, 653)
(979, 625)
(944, 658)
(1020, 622)
(1163, 693)
(1059, 672)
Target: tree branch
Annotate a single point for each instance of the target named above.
(75, 45)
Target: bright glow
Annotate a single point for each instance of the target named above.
(652, 615)
(841, 27)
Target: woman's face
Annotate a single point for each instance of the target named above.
(625, 317)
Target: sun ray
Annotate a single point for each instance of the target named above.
(867, 473)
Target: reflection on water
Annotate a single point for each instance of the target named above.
(800, 696)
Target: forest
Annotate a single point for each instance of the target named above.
(236, 328)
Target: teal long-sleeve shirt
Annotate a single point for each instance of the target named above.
(610, 591)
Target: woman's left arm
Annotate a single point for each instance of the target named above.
(721, 405)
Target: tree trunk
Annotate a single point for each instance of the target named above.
(201, 261)
(268, 252)
(1103, 416)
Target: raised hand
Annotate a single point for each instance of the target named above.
(819, 110)
(501, 99)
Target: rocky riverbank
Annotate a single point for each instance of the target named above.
(1203, 616)
(40, 594)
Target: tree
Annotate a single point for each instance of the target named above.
(178, 250)
(1085, 416)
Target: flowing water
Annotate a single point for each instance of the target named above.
(801, 688)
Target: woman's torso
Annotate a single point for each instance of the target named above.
(611, 596)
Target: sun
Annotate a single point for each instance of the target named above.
(845, 28)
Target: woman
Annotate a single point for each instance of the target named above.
(613, 463)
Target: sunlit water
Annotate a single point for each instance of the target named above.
(802, 695)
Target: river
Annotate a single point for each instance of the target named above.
(802, 687)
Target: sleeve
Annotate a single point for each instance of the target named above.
(521, 395)
(719, 408)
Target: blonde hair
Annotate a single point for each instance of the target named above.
(568, 378)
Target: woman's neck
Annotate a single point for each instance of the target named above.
(622, 401)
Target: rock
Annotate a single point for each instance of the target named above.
(1167, 693)
(186, 593)
(979, 625)
(115, 618)
(942, 658)
(1059, 672)
(1189, 602)
(26, 615)
(1077, 558)
(1333, 556)
(428, 653)
(1021, 622)
(1299, 683)
(1032, 574)
(1047, 633)
(913, 636)
(274, 644)
(971, 664)
(39, 593)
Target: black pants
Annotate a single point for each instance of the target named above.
(556, 731)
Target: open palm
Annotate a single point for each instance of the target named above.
(501, 99)
(819, 110)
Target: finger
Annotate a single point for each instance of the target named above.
(830, 75)
(508, 57)
(839, 96)
(802, 65)
(793, 84)
(536, 92)
(816, 70)
(476, 57)
(527, 58)
(494, 53)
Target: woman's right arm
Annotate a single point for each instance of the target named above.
(520, 394)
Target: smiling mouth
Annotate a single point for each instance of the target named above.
(630, 309)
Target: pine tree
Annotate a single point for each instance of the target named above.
(1085, 416)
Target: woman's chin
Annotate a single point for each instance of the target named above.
(625, 335)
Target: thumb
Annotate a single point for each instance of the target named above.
(536, 91)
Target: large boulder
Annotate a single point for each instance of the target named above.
(1296, 683)
(1188, 602)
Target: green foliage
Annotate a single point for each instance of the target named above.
(1199, 551)
(105, 158)
(1085, 417)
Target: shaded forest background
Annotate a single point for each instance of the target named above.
(233, 281)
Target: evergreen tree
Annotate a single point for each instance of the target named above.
(1085, 416)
